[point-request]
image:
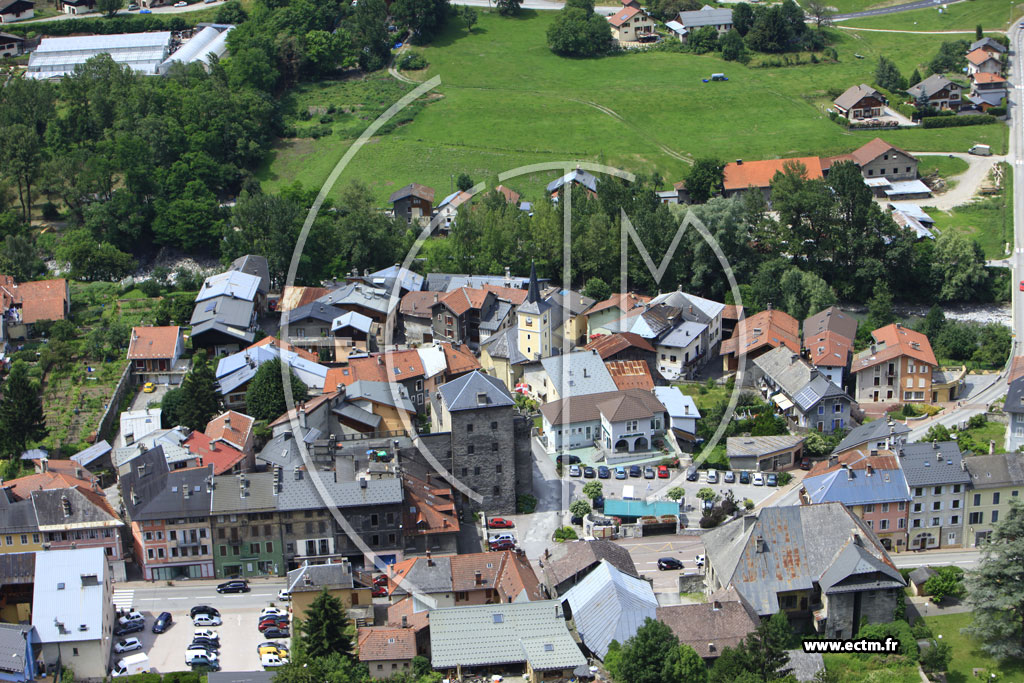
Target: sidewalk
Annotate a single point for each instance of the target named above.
(205, 583)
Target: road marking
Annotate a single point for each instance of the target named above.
(181, 598)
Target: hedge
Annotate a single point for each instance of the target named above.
(957, 121)
(133, 23)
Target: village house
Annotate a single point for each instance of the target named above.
(16, 10)
(720, 19)
(414, 202)
(708, 627)
(469, 316)
(860, 102)
(996, 480)
(567, 564)
(566, 376)
(759, 334)
(307, 581)
(431, 522)
(577, 178)
(155, 353)
(10, 44)
(416, 317)
(829, 353)
(605, 317)
(24, 304)
(740, 175)
(897, 367)
(245, 526)
(779, 560)
(938, 478)
(354, 334)
(386, 651)
(632, 25)
(989, 45)
(936, 91)
(800, 392)
(617, 422)
(879, 159)
(765, 453)
(983, 61)
(987, 89)
(876, 435)
(682, 414)
(568, 316)
(871, 484)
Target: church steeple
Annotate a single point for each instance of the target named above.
(533, 293)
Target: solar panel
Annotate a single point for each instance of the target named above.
(499, 619)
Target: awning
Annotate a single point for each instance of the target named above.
(782, 402)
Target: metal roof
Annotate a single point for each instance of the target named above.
(609, 604)
(683, 335)
(509, 633)
(233, 283)
(385, 393)
(706, 16)
(67, 605)
(677, 404)
(97, 450)
(760, 445)
(225, 309)
(858, 487)
(320, 576)
(100, 43)
(301, 494)
(233, 494)
(873, 431)
(580, 176)
(466, 392)
(933, 464)
(13, 648)
(359, 294)
(584, 373)
(613, 507)
(352, 319)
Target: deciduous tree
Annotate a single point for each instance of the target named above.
(265, 398)
(645, 654)
(199, 401)
(704, 179)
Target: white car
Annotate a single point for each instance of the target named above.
(284, 595)
(205, 620)
(181, 4)
(206, 633)
(758, 479)
(130, 617)
(127, 645)
(270, 661)
(272, 612)
(574, 471)
(712, 476)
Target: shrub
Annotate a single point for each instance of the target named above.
(526, 504)
(996, 111)
(785, 478)
(748, 504)
(51, 213)
(957, 121)
(412, 61)
(565, 533)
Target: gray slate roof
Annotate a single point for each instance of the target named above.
(855, 94)
(929, 86)
(16, 515)
(869, 432)
(584, 373)
(316, 577)
(13, 647)
(425, 578)
(795, 554)
(301, 494)
(448, 282)
(314, 311)
(380, 392)
(796, 378)
(987, 42)
(224, 309)
(575, 557)
(159, 493)
(706, 16)
(926, 464)
(49, 506)
(93, 452)
(282, 451)
(760, 445)
(505, 344)
(993, 471)
(17, 568)
(258, 493)
(253, 264)
(510, 633)
(609, 604)
(831, 319)
(358, 294)
(1014, 402)
(465, 392)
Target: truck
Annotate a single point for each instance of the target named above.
(627, 492)
(137, 663)
(981, 150)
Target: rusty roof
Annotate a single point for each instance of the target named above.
(630, 374)
(608, 345)
(378, 643)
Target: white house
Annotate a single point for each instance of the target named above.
(575, 374)
(682, 411)
(616, 422)
(681, 348)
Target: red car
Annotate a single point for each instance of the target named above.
(500, 523)
(381, 580)
(273, 623)
(503, 545)
(662, 472)
(380, 592)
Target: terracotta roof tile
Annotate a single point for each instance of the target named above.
(429, 509)
(829, 349)
(732, 312)
(511, 196)
(465, 568)
(379, 367)
(1016, 369)
(768, 328)
(608, 345)
(463, 299)
(417, 304)
(296, 297)
(979, 56)
(894, 341)
(857, 460)
(386, 644)
(222, 456)
(740, 176)
(870, 151)
(460, 359)
(513, 295)
(39, 299)
(153, 342)
(623, 15)
(232, 427)
(22, 487)
(987, 78)
(415, 621)
(624, 302)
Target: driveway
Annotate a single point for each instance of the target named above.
(918, 4)
(967, 183)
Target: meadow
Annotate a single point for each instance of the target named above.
(505, 100)
(961, 16)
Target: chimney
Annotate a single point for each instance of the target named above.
(832, 460)
(405, 621)
(935, 444)
(479, 578)
(871, 470)
(857, 540)
(362, 483)
(874, 453)
(938, 456)
(761, 545)
(44, 464)
(277, 480)
(739, 162)
(963, 465)
(227, 420)
(430, 560)
(302, 415)
(991, 447)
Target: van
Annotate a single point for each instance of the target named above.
(272, 660)
(137, 663)
(981, 150)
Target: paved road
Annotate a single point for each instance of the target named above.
(157, 596)
(919, 4)
(534, 4)
(965, 559)
(169, 9)
(967, 183)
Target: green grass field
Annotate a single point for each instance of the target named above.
(962, 16)
(944, 166)
(967, 656)
(988, 220)
(875, 669)
(506, 100)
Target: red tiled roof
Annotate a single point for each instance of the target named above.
(222, 456)
(380, 367)
(740, 176)
(732, 312)
(1016, 369)
(897, 341)
(857, 460)
(829, 349)
(459, 359)
(517, 576)
(378, 643)
(608, 345)
(273, 341)
(987, 78)
(511, 196)
(630, 374)
(153, 342)
(979, 56)
(39, 299)
(232, 427)
(415, 621)
(429, 509)
(513, 295)
(463, 299)
(417, 304)
(623, 15)
(22, 487)
(772, 327)
(465, 567)
(624, 302)
(870, 151)
(296, 297)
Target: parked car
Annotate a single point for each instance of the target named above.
(758, 479)
(598, 503)
(502, 537)
(503, 545)
(145, 10)
(712, 476)
(744, 477)
(665, 563)
(589, 472)
(805, 463)
(277, 633)
(284, 595)
(131, 616)
(130, 627)
(206, 633)
(163, 622)
(127, 645)
(648, 473)
(275, 623)
(203, 609)
(729, 477)
(236, 586)
(148, 388)
(662, 471)
(604, 521)
(206, 620)
(204, 643)
(379, 592)
(381, 580)
(271, 661)
(603, 472)
(771, 479)
(132, 7)
(200, 658)
(271, 611)
(573, 459)
(181, 3)
(635, 471)
(620, 472)
(576, 521)
(574, 471)
(500, 523)
(692, 473)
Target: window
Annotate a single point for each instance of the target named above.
(936, 521)
(954, 520)
(902, 506)
(632, 425)
(497, 468)
(956, 488)
(24, 539)
(469, 428)
(74, 651)
(476, 470)
(901, 523)
(149, 553)
(936, 506)
(470, 449)
(35, 537)
(465, 471)
(977, 499)
(821, 409)
(374, 520)
(995, 516)
(885, 507)
(883, 524)
(955, 504)
(995, 498)
(374, 540)
(223, 551)
(868, 509)
(917, 507)
(254, 548)
(975, 518)
(494, 425)
(916, 524)
(496, 491)
(938, 490)
(494, 447)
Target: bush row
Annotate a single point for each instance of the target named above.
(957, 121)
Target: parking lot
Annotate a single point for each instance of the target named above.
(646, 552)
(239, 637)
